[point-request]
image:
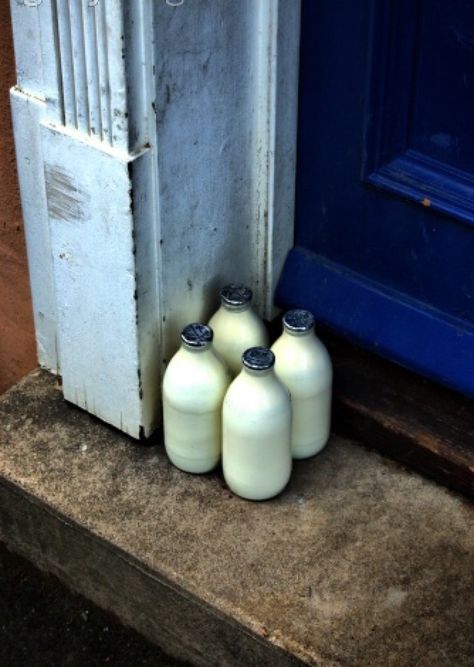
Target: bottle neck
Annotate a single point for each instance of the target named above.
(235, 309)
(257, 374)
(195, 350)
(300, 335)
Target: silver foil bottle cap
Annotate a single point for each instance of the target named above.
(236, 294)
(197, 335)
(298, 320)
(258, 358)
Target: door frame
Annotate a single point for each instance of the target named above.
(100, 109)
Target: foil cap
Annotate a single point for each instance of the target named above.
(197, 335)
(298, 320)
(236, 294)
(258, 358)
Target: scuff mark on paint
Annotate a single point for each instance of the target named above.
(65, 200)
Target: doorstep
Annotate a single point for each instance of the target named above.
(403, 415)
(358, 562)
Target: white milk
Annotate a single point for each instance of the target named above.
(256, 449)
(236, 327)
(304, 367)
(194, 386)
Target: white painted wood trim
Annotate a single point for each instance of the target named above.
(28, 103)
(28, 112)
(165, 139)
(276, 93)
(226, 104)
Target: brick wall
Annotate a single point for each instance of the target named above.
(17, 346)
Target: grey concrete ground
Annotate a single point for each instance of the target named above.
(359, 562)
(44, 624)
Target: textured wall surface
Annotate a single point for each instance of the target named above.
(17, 344)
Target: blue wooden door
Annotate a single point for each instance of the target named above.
(384, 239)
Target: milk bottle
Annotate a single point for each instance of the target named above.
(194, 386)
(236, 327)
(304, 367)
(256, 449)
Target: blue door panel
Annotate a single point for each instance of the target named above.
(385, 180)
(384, 321)
(445, 36)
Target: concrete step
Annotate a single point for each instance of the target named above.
(358, 562)
(44, 624)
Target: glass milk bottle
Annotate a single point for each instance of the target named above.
(304, 367)
(256, 423)
(236, 327)
(194, 386)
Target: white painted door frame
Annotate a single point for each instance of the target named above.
(156, 148)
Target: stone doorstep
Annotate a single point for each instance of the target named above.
(358, 562)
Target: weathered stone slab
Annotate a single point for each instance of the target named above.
(358, 562)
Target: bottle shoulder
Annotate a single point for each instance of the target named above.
(235, 324)
(195, 379)
(302, 360)
(309, 350)
(251, 394)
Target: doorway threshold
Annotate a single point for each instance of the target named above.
(421, 424)
(359, 561)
